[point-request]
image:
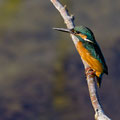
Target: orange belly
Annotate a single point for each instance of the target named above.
(91, 61)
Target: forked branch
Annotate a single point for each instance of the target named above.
(69, 21)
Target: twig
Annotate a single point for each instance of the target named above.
(69, 21)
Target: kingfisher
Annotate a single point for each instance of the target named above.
(89, 50)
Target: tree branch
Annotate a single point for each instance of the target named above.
(69, 21)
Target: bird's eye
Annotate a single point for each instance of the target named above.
(77, 32)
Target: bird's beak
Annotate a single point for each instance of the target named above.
(71, 31)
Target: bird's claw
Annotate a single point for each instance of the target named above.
(89, 71)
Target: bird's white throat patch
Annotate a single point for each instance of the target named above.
(75, 39)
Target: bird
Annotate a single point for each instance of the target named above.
(89, 50)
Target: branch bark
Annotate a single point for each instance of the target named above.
(69, 21)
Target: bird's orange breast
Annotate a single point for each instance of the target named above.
(91, 61)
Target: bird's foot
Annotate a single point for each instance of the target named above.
(89, 71)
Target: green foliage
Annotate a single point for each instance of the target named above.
(8, 11)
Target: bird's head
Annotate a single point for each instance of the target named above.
(84, 34)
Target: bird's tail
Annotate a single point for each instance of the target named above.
(99, 80)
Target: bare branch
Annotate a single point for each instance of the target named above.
(69, 21)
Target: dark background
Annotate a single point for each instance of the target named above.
(41, 73)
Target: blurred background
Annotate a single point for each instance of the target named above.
(41, 73)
